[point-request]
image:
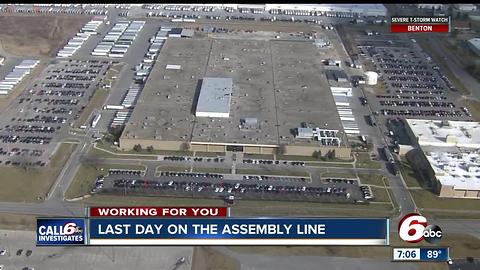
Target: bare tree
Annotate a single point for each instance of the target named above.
(185, 146)
(137, 148)
(282, 149)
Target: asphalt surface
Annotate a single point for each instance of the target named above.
(55, 206)
(76, 258)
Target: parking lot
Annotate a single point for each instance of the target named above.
(415, 86)
(224, 186)
(40, 116)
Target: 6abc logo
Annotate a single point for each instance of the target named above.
(414, 228)
(71, 228)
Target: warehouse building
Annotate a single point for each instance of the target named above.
(217, 105)
(437, 133)
(355, 9)
(465, 7)
(474, 45)
(430, 6)
(450, 154)
(215, 97)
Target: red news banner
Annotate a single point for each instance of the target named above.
(421, 24)
(169, 212)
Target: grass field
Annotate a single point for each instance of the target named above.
(17, 222)
(409, 174)
(372, 179)
(460, 246)
(380, 194)
(211, 170)
(209, 154)
(328, 164)
(442, 64)
(29, 185)
(38, 36)
(143, 151)
(102, 154)
(453, 214)
(206, 258)
(111, 72)
(474, 108)
(166, 168)
(87, 174)
(271, 172)
(250, 208)
(426, 199)
(347, 35)
(133, 200)
(258, 156)
(96, 102)
(309, 158)
(364, 161)
(340, 175)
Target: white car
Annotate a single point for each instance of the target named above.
(3, 252)
(1, 266)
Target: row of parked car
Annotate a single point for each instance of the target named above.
(98, 186)
(271, 162)
(21, 152)
(412, 97)
(274, 178)
(196, 159)
(53, 10)
(422, 113)
(245, 190)
(125, 172)
(192, 174)
(406, 103)
(367, 192)
(341, 180)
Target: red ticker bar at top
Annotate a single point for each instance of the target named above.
(159, 212)
(422, 28)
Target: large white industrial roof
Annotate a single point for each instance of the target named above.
(366, 9)
(475, 42)
(458, 169)
(446, 133)
(215, 96)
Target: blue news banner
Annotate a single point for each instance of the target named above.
(214, 231)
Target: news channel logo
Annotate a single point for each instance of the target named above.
(60, 231)
(414, 228)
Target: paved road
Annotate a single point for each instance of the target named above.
(55, 205)
(79, 258)
(68, 172)
(399, 189)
